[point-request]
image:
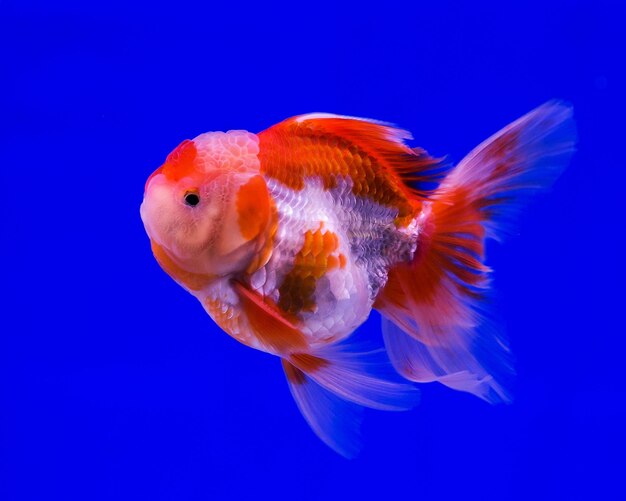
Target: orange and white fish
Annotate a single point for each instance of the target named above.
(291, 236)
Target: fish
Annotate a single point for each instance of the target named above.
(289, 238)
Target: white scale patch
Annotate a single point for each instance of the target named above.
(233, 150)
(368, 239)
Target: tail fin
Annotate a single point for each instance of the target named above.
(435, 321)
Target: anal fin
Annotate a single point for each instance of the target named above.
(332, 387)
(365, 378)
(334, 420)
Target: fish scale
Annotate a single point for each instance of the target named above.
(370, 241)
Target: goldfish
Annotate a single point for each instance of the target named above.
(290, 237)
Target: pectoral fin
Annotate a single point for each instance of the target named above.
(270, 324)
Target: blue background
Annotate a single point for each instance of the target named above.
(114, 384)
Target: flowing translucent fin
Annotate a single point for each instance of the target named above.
(365, 378)
(439, 298)
(501, 173)
(457, 369)
(335, 421)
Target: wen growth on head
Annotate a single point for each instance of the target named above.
(289, 238)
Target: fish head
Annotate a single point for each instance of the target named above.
(194, 207)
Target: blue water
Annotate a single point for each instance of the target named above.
(114, 384)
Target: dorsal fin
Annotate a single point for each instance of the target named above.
(329, 145)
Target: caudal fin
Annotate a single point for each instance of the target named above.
(435, 318)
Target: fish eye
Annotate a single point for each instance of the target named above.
(191, 198)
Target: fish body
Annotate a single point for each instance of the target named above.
(290, 237)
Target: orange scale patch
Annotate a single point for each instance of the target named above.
(342, 261)
(382, 169)
(225, 319)
(316, 257)
(253, 207)
(181, 162)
